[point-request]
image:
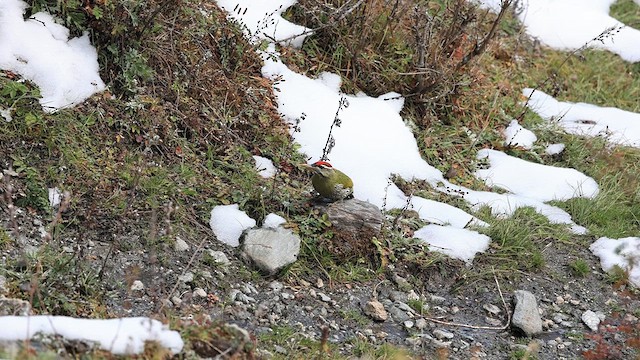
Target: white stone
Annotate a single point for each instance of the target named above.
(219, 257)
(181, 245)
(271, 250)
(137, 285)
(186, 277)
(408, 324)
(591, 319)
(199, 292)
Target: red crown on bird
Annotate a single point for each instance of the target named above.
(321, 163)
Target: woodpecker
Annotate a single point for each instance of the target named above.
(332, 184)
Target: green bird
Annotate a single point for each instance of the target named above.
(330, 183)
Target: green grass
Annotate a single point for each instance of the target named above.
(419, 306)
(59, 283)
(518, 241)
(627, 11)
(366, 350)
(580, 268)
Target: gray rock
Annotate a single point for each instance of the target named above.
(402, 283)
(186, 277)
(355, 216)
(271, 250)
(237, 295)
(353, 223)
(137, 285)
(591, 319)
(233, 293)
(398, 296)
(525, 314)
(442, 334)
(176, 301)
(180, 245)
(248, 289)
(437, 299)
(324, 297)
(443, 344)
(408, 324)
(398, 315)
(559, 318)
(219, 257)
(492, 309)
(276, 286)
(404, 307)
(492, 321)
(3, 285)
(421, 324)
(280, 350)
(199, 292)
(375, 310)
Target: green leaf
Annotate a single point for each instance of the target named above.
(30, 119)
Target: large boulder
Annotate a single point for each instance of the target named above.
(355, 223)
(271, 249)
(526, 317)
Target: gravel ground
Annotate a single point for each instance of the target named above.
(456, 322)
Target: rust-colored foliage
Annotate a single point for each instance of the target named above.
(607, 346)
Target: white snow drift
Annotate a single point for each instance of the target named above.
(228, 222)
(39, 49)
(571, 24)
(124, 336)
(617, 126)
(624, 253)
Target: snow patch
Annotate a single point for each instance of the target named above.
(624, 253)
(616, 125)
(570, 24)
(273, 221)
(554, 149)
(264, 166)
(228, 223)
(443, 214)
(457, 243)
(524, 178)
(263, 20)
(39, 49)
(517, 136)
(370, 128)
(125, 336)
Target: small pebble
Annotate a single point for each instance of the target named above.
(186, 277)
(137, 285)
(180, 245)
(408, 324)
(442, 334)
(199, 292)
(276, 286)
(324, 297)
(492, 309)
(176, 300)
